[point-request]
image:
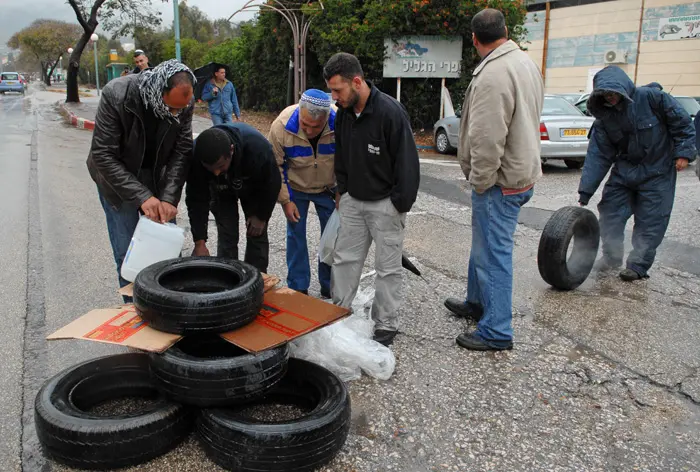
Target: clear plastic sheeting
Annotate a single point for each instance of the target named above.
(346, 348)
(326, 246)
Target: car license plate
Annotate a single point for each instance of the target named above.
(9, 82)
(574, 132)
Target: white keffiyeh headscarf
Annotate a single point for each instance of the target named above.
(152, 84)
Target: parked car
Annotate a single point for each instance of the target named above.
(10, 82)
(563, 132)
(690, 104)
(572, 98)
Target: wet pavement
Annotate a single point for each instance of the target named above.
(601, 378)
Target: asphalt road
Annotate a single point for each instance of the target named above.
(601, 378)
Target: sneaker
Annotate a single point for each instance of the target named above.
(462, 309)
(629, 275)
(385, 336)
(474, 343)
(604, 265)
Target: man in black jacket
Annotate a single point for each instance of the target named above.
(233, 161)
(140, 149)
(378, 172)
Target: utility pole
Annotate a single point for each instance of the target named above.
(300, 25)
(176, 27)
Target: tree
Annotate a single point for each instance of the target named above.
(194, 24)
(45, 41)
(118, 16)
(359, 27)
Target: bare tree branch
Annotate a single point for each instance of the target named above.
(78, 14)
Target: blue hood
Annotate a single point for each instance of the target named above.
(610, 79)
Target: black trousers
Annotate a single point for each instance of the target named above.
(225, 210)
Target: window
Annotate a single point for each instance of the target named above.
(7, 76)
(557, 106)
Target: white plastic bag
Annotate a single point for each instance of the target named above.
(330, 234)
(346, 348)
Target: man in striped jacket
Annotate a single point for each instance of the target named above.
(303, 141)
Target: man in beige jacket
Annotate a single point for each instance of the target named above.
(499, 151)
(303, 140)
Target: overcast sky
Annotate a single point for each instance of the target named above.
(16, 14)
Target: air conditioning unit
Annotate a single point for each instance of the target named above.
(615, 56)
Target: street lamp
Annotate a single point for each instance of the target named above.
(94, 39)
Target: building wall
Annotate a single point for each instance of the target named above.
(579, 37)
(674, 64)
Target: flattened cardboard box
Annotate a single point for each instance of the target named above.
(286, 314)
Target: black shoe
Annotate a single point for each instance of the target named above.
(384, 336)
(305, 292)
(604, 265)
(326, 293)
(473, 342)
(468, 310)
(629, 275)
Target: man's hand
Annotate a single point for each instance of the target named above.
(255, 226)
(151, 209)
(291, 212)
(337, 200)
(200, 248)
(167, 212)
(681, 163)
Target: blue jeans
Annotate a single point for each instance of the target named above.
(298, 269)
(490, 278)
(120, 226)
(217, 119)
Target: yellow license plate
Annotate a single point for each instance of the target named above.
(575, 132)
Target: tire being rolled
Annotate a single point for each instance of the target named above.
(197, 295)
(71, 435)
(239, 443)
(207, 371)
(556, 266)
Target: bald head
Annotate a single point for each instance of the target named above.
(489, 26)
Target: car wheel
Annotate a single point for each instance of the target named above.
(442, 143)
(208, 371)
(73, 435)
(238, 442)
(573, 164)
(197, 295)
(556, 266)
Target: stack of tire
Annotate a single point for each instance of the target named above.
(203, 382)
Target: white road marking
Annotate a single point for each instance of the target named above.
(439, 162)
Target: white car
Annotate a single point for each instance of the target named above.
(563, 132)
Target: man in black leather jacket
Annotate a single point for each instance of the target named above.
(140, 149)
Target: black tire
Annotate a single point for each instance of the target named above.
(196, 295)
(442, 143)
(208, 371)
(566, 224)
(571, 164)
(241, 444)
(71, 435)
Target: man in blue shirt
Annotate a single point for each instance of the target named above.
(221, 96)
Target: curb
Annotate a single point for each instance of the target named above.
(74, 120)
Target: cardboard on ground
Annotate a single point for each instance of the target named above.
(286, 314)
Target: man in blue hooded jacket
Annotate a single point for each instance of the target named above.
(646, 136)
(222, 99)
